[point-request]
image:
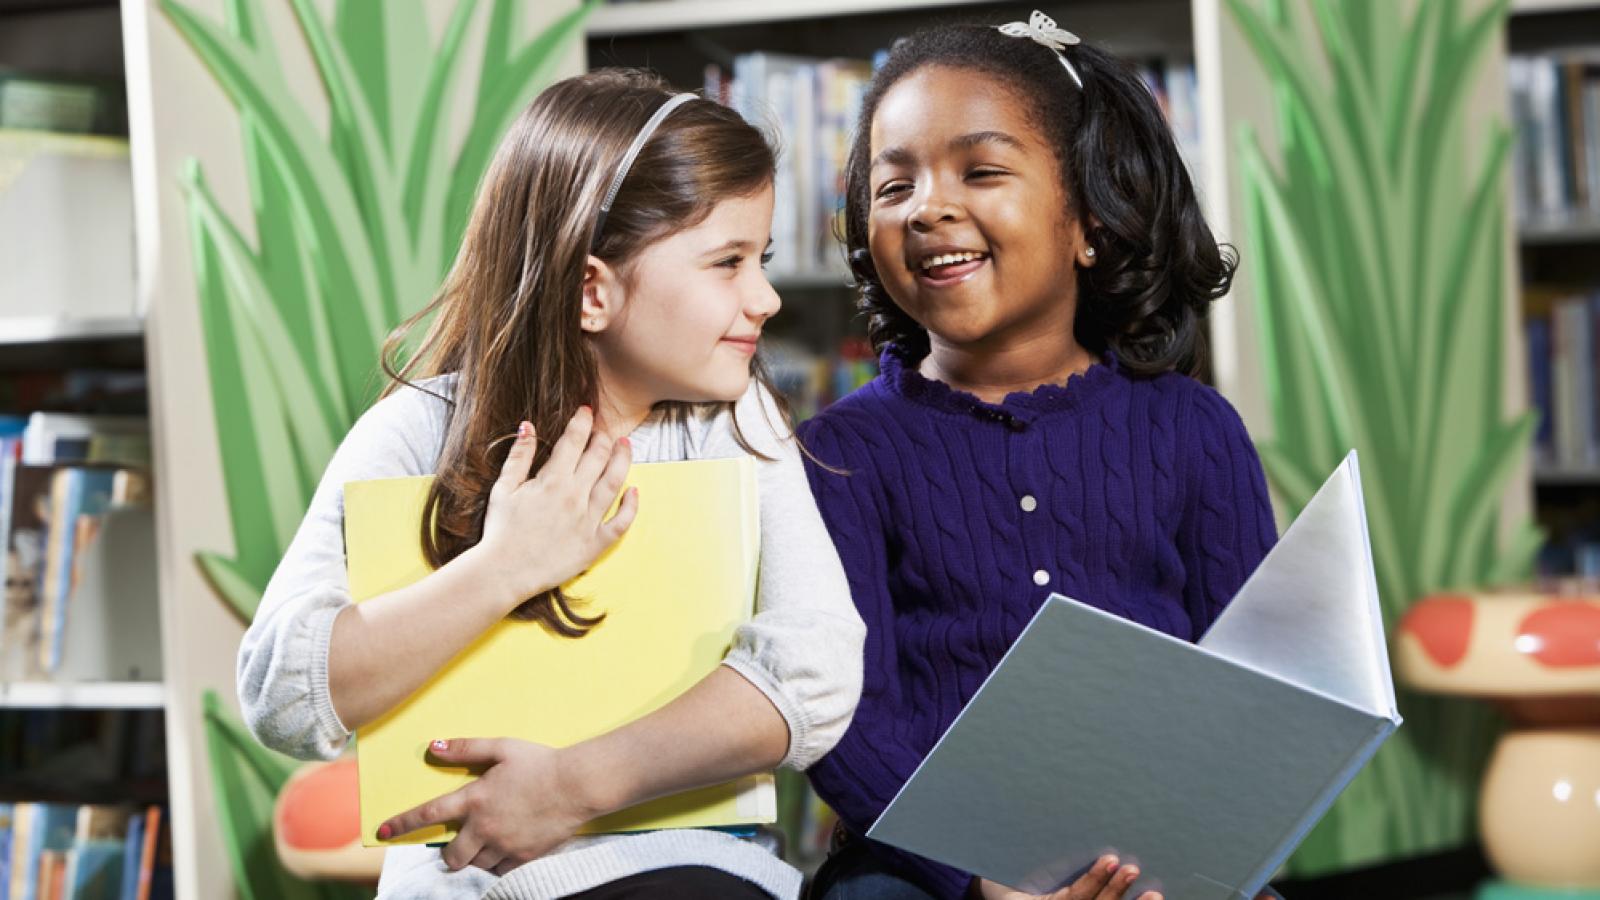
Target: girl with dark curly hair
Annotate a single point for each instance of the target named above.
(1036, 272)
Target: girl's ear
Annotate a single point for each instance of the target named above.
(1087, 254)
(602, 295)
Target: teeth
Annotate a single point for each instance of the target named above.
(949, 259)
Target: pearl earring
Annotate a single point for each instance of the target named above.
(1089, 252)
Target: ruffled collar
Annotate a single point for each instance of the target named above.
(899, 370)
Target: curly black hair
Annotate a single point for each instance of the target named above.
(1158, 267)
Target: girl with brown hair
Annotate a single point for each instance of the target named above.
(605, 307)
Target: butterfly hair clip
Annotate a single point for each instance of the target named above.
(1042, 30)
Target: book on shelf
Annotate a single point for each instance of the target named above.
(1555, 111)
(808, 107)
(1562, 334)
(87, 852)
(1177, 90)
(78, 536)
(811, 381)
(70, 437)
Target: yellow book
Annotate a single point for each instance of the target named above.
(673, 590)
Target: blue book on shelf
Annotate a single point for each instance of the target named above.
(131, 851)
(5, 851)
(1541, 385)
(96, 871)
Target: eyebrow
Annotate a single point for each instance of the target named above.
(734, 245)
(901, 156)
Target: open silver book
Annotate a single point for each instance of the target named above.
(1204, 764)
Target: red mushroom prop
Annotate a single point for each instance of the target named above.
(1537, 658)
(317, 824)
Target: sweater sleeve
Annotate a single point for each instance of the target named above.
(1228, 526)
(283, 660)
(802, 648)
(871, 762)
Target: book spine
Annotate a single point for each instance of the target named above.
(1583, 376)
(1522, 179)
(66, 498)
(1541, 386)
(1544, 94)
(1591, 135)
(1572, 109)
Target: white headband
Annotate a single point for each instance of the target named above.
(1041, 29)
(632, 154)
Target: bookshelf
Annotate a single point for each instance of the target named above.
(1579, 230)
(84, 695)
(1558, 236)
(50, 329)
(82, 715)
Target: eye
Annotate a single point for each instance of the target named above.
(766, 258)
(731, 262)
(892, 188)
(985, 173)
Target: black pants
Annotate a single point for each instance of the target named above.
(677, 883)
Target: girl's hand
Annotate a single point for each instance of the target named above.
(1103, 881)
(1107, 879)
(522, 807)
(541, 532)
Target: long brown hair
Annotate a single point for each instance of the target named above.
(506, 320)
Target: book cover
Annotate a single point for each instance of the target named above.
(673, 591)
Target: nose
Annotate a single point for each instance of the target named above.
(934, 206)
(763, 302)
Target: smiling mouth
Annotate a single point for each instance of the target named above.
(950, 268)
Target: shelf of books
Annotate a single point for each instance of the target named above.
(1553, 78)
(84, 790)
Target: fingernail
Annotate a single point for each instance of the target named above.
(586, 408)
(522, 431)
(1130, 873)
(625, 442)
(384, 831)
(439, 746)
